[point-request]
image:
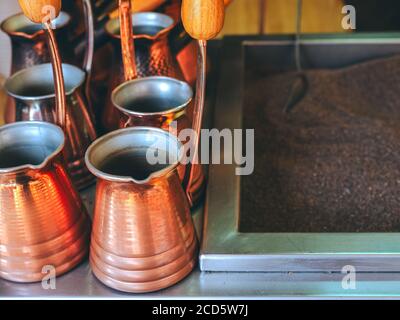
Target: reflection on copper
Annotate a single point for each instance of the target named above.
(143, 236)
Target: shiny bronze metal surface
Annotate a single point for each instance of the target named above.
(197, 116)
(42, 219)
(127, 44)
(143, 236)
(152, 51)
(33, 95)
(157, 102)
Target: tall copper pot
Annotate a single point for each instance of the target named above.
(143, 236)
(153, 55)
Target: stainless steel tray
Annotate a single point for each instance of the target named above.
(224, 248)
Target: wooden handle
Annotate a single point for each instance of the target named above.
(40, 11)
(203, 19)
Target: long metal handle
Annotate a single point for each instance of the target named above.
(58, 76)
(89, 53)
(89, 26)
(197, 113)
(128, 48)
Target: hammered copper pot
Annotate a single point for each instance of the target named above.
(152, 51)
(29, 41)
(143, 237)
(42, 219)
(158, 102)
(32, 92)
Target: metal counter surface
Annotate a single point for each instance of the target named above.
(81, 284)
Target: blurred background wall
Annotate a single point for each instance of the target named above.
(263, 17)
(243, 17)
(279, 16)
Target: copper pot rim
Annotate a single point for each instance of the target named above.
(48, 158)
(70, 89)
(158, 35)
(5, 29)
(168, 111)
(168, 170)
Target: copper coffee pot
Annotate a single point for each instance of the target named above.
(29, 47)
(32, 93)
(29, 41)
(43, 222)
(143, 237)
(159, 102)
(152, 55)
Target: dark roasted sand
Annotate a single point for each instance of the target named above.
(333, 163)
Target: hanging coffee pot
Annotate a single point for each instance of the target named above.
(153, 54)
(43, 222)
